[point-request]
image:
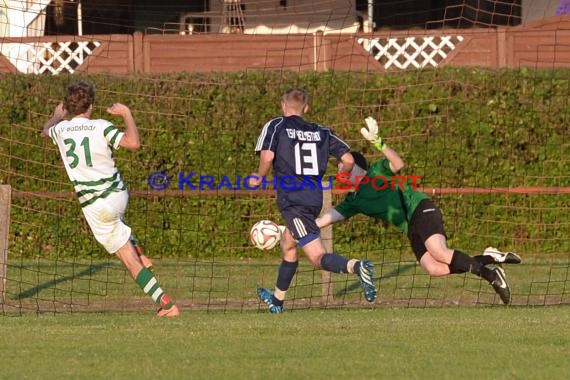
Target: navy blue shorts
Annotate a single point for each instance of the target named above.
(301, 221)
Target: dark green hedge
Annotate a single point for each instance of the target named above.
(456, 127)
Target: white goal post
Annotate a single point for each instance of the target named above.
(5, 201)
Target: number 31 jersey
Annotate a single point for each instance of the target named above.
(302, 151)
(86, 147)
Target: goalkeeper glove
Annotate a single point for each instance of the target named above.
(371, 133)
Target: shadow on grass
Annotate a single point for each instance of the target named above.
(90, 270)
(355, 285)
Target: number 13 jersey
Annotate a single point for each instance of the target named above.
(302, 151)
(86, 148)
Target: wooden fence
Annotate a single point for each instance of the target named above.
(544, 44)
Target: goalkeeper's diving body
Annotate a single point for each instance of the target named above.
(86, 146)
(415, 214)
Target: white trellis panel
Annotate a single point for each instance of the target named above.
(49, 57)
(406, 52)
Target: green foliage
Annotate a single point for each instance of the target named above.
(457, 127)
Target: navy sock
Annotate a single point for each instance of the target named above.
(276, 302)
(357, 267)
(285, 274)
(333, 262)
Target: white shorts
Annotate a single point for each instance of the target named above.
(105, 217)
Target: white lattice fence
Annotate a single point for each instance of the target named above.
(406, 52)
(49, 57)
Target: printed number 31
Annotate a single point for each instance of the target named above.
(306, 153)
(71, 152)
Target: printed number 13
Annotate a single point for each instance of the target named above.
(306, 153)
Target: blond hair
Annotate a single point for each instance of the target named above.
(296, 99)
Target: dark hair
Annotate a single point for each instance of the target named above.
(79, 97)
(360, 160)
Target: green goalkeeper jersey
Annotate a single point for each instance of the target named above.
(390, 204)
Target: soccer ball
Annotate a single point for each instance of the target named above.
(265, 234)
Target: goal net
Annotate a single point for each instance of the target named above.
(473, 95)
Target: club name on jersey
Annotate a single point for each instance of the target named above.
(303, 135)
(78, 128)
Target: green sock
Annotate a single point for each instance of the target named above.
(148, 283)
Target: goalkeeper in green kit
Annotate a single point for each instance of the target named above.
(416, 215)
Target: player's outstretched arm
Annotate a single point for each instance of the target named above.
(330, 217)
(58, 115)
(370, 133)
(396, 162)
(131, 139)
(265, 160)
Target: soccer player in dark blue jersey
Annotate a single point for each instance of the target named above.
(298, 151)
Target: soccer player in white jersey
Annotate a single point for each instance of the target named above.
(86, 146)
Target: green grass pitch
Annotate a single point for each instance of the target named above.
(113, 333)
(415, 343)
